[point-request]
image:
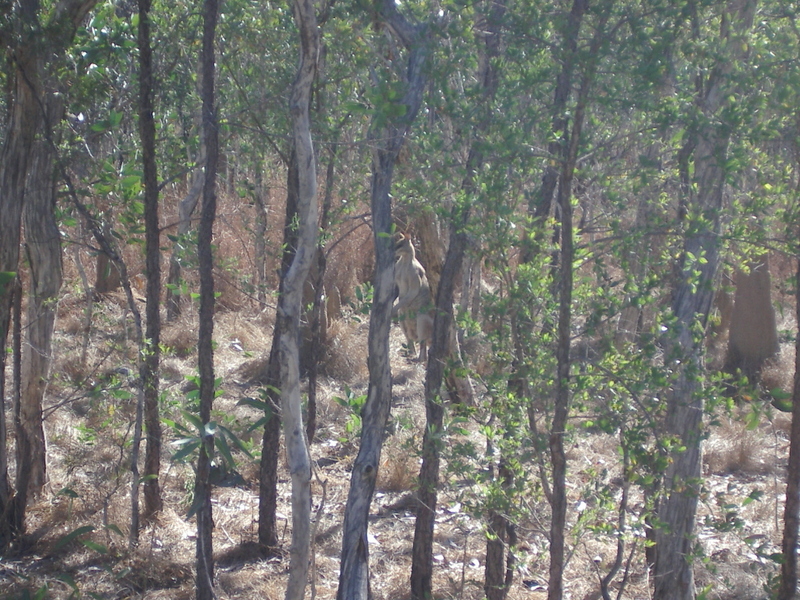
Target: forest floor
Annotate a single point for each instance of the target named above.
(90, 407)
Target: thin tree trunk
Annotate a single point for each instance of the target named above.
(260, 196)
(445, 342)
(271, 378)
(354, 581)
(205, 348)
(539, 207)
(791, 514)
(270, 448)
(693, 296)
(150, 361)
(186, 208)
(539, 204)
(319, 316)
(558, 458)
(290, 302)
(354, 570)
(14, 161)
(422, 549)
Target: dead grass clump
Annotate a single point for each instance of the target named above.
(249, 334)
(72, 369)
(398, 472)
(180, 338)
(345, 357)
(252, 371)
(72, 323)
(733, 448)
(172, 369)
(778, 372)
(350, 263)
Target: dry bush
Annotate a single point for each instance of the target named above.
(72, 369)
(733, 448)
(399, 469)
(345, 356)
(251, 335)
(180, 336)
(350, 263)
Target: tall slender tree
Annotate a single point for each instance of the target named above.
(387, 137)
(487, 32)
(205, 347)
(691, 305)
(291, 300)
(150, 361)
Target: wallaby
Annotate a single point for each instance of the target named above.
(414, 307)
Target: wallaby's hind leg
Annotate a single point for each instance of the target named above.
(409, 327)
(424, 334)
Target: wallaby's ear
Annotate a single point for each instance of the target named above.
(399, 240)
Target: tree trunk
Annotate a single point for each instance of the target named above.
(319, 316)
(791, 514)
(290, 302)
(43, 247)
(422, 550)
(558, 458)
(271, 378)
(445, 342)
(31, 43)
(186, 207)
(10, 286)
(260, 198)
(150, 361)
(539, 204)
(270, 448)
(14, 161)
(354, 572)
(205, 347)
(693, 296)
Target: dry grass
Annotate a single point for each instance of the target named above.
(345, 356)
(162, 566)
(89, 444)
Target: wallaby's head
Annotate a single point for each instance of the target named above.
(403, 246)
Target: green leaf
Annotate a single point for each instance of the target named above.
(68, 580)
(99, 548)
(115, 118)
(187, 449)
(235, 439)
(41, 593)
(70, 493)
(6, 277)
(194, 420)
(255, 403)
(72, 535)
(222, 445)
